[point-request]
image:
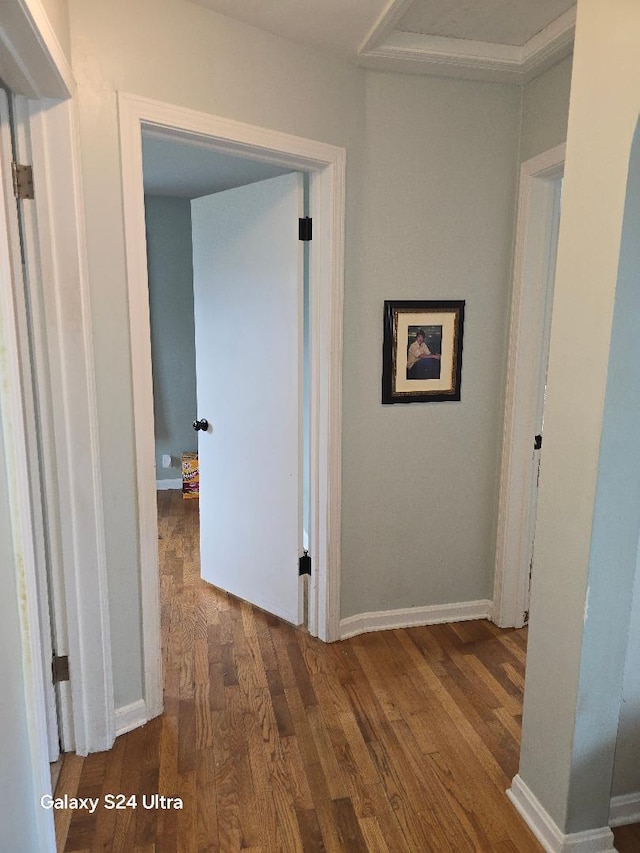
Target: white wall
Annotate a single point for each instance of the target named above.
(58, 13)
(17, 806)
(431, 170)
(169, 257)
(545, 110)
(587, 523)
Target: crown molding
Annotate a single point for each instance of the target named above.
(549, 46)
(387, 48)
(384, 25)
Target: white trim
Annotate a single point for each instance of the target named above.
(546, 830)
(326, 163)
(396, 50)
(533, 280)
(165, 485)
(384, 25)
(410, 617)
(130, 717)
(625, 809)
(53, 576)
(13, 371)
(326, 283)
(548, 46)
(62, 261)
(40, 441)
(32, 62)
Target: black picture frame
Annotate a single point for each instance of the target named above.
(422, 351)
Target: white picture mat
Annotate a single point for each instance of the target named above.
(402, 322)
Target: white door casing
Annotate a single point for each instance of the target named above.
(14, 410)
(34, 65)
(532, 297)
(326, 167)
(55, 240)
(247, 282)
(30, 387)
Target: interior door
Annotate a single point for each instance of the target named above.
(248, 271)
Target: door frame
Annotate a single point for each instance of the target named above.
(326, 167)
(531, 307)
(56, 254)
(34, 67)
(34, 390)
(23, 525)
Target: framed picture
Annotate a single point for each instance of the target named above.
(422, 351)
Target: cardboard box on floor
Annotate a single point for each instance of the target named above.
(190, 476)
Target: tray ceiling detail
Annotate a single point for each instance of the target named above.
(500, 40)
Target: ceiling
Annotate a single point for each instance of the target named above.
(501, 40)
(189, 169)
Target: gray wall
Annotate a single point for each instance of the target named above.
(169, 257)
(545, 110)
(420, 480)
(626, 775)
(626, 771)
(17, 806)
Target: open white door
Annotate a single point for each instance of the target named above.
(248, 282)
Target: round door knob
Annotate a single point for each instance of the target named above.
(202, 424)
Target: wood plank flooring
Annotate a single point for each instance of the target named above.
(627, 838)
(395, 741)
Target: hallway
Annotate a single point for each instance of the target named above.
(396, 741)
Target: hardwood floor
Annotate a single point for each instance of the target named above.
(627, 838)
(397, 741)
(55, 767)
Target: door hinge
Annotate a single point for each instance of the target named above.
(305, 229)
(22, 181)
(60, 668)
(537, 442)
(304, 564)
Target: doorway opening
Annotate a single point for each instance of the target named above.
(228, 296)
(325, 165)
(531, 308)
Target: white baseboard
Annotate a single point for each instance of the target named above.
(169, 484)
(547, 831)
(410, 617)
(130, 717)
(625, 809)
